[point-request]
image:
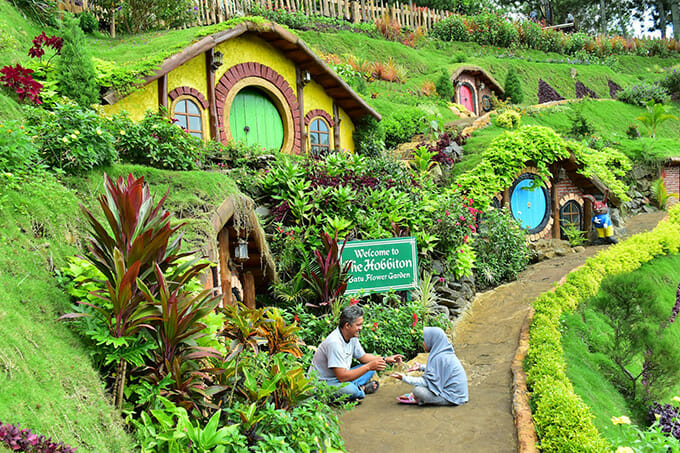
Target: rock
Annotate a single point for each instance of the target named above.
(562, 252)
(262, 211)
(579, 249)
(615, 216)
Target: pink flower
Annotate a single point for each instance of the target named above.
(415, 320)
(441, 280)
(462, 219)
(439, 220)
(447, 212)
(465, 239)
(353, 301)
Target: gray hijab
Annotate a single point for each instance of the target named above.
(444, 375)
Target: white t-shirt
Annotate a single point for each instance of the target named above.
(335, 352)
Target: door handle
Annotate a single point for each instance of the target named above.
(246, 129)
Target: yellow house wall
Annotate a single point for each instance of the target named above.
(251, 48)
(190, 74)
(136, 103)
(346, 131)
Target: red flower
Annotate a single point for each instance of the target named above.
(296, 318)
(375, 326)
(415, 320)
(353, 301)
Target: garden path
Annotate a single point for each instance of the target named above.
(485, 340)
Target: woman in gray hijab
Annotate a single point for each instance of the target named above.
(444, 382)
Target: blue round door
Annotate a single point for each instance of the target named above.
(530, 202)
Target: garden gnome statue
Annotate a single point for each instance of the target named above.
(601, 220)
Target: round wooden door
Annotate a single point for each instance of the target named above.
(254, 120)
(530, 202)
(465, 97)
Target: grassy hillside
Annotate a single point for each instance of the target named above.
(610, 119)
(47, 382)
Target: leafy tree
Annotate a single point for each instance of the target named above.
(643, 335)
(75, 69)
(513, 87)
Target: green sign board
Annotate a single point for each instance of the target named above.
(381, 264)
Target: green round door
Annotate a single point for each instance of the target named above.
(254, 120)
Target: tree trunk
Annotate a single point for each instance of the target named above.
(112, 26)
(661, 9)
(603, 17)
(675, 16)
(119, 383)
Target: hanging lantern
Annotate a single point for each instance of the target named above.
(241, 250)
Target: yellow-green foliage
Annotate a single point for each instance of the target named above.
(509, 153)
(563, 421)
(508, 119)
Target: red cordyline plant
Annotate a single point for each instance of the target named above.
(143, 271)
(330, 279)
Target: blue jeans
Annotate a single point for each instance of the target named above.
(352, 388)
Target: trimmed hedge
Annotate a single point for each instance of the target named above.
(563, 421)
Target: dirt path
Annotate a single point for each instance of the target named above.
(485, 341)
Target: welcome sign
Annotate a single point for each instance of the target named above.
(381, 264)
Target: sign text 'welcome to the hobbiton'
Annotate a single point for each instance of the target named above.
(382, 264)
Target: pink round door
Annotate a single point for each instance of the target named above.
(465, 97)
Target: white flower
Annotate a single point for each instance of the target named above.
(65, 139)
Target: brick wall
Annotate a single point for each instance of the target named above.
(565, 187)
(671, 179)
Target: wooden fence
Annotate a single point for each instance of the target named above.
(210, 12)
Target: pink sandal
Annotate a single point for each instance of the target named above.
(407, 399)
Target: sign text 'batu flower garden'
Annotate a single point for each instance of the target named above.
(381, 265)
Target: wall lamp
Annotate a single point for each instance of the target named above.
(218, 60)
(241, 251)
(305, 78)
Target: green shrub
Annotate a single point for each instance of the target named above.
(513, 87)
(155, 141)
(452, 28)
(444, 86)
(508, 119)
(369, 137)
(493, 29)
(75, 70)
(580, 124)
(672, 82)
(576, 42)
(402, 126)
(18, 153)
(500, 248)
(88, 22)
(641, 94)
(72, 138)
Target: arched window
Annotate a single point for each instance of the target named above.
(319, 137)
(570, 214)
(188, 116)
